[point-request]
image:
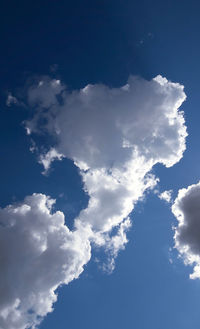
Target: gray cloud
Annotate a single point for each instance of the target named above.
(186, 208)
(11, 100)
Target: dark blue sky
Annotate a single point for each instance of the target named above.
(85, 42)
(99, 40)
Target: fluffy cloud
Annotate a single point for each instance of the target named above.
(186, 208)
(38, 253)
(166, 196)
(100, 127)
(114, 136)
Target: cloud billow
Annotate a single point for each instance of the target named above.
(38, 253)
(186, 209)
(114, 136)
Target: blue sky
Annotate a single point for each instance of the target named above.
(92, 42)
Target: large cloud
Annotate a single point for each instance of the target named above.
(114, 136)
(100, 127)
(38, 253)
(186, 208)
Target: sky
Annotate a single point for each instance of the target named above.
(99, 198)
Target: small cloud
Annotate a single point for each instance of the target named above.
(115, 244)
(11, 100)
(166, 196)
(33, 148)
(48, 158)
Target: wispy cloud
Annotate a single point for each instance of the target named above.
(11, 100)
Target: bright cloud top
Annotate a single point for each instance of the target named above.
(186, 208)
(114, 136)
(100, 127)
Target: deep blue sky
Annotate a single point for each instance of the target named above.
(106, 41)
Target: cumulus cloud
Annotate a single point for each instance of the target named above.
(102, 127)
(114, 136)
(38, 253)
(166, 196)
(186, 208)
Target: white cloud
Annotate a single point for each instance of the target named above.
(50, 156)
(101, 127)
(37, 254)
(114, 136)
(186, 209)
(166, 196)
(116, 243)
